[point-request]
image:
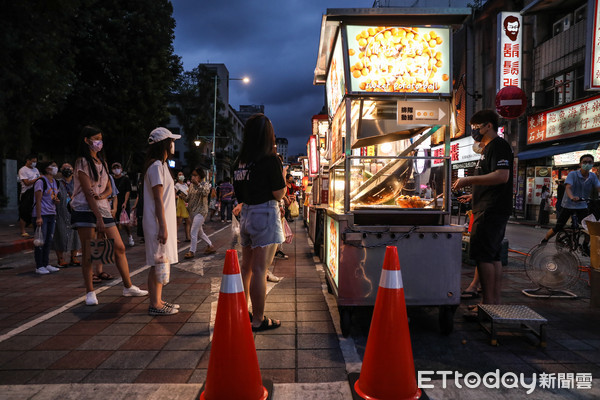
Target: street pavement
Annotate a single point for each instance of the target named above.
(52, 346)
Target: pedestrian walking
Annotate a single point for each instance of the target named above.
(44, 213)
(123, 184)
(491, 198)
(226, 193)
(66, 239)
(197, 199)
(27, 176)
(544, 214)
(91, 211)
(160, 221)
(259, 185)
(183, 216)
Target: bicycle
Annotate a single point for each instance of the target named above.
(569, 238)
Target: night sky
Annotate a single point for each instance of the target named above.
(273, 42)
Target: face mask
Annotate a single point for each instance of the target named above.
(476, 135)
(117, 171)
(172, 149)
(96, 145)
(66, 173)
(477, 148)
(33, 164)
(586, 167)
(53, 170)
(181, 178)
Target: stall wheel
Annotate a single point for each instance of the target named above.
(345, 320)
(446, 319)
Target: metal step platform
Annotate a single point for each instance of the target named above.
(509, 316)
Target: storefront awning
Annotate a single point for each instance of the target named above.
(557, 149)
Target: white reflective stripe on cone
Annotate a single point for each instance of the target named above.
(232, 284)
(391, 279)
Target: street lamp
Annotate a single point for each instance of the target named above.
(213, 155)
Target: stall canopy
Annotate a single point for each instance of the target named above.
(557, 149)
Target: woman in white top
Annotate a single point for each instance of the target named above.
(160, 222)
(181, 191)
(91, 211)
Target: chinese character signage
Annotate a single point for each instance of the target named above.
(335, 83)
(394, 59)
(461, 150)
(510, 30)
(313, 155)
(592, 56)
(579, 118)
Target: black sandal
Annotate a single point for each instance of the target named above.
(267, 324)
(105, 276)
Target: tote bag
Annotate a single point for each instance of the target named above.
(101, 250)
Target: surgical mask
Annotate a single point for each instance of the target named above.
(477, 148)
(117, 171)
(53, 170)
(172, 149)
(33, 164)
(476, 135)
(181, 178)
(67, 172)
(586, 167)
(96, 145)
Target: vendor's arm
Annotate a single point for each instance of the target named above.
(496, 177)
(159, 210)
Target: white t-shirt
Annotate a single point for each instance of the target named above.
(27, 173)
(158, 173)
(182, 186)
(79, 202)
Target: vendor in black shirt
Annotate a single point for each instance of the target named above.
(259, 186)
(491, 199)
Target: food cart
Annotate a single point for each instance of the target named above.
(387, 75)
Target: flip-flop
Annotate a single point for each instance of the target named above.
(105, 276)
(96, 279)
(469, 295)
(267, 324)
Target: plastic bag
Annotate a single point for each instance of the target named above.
(162, 266)
(287, 231)
(133, 218)
(294, 209)
(38, 237)
(124, 217)
(235, 231)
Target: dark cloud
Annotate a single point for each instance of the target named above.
(273, 42)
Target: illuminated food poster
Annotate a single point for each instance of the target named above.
(399, 59)
(331, 248)
(335, 78)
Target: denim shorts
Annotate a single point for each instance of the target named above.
(87, 219)
(260, 225)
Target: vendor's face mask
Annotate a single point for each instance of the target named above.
(476, 132)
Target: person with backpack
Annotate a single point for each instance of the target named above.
(27, 176)
(44, 212)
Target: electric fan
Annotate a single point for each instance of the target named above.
(554, 271)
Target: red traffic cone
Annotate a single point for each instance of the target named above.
(388, 370)
(233, 371)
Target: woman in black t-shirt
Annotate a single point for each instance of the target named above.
(259, 186)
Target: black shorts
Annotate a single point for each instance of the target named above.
(566, 213)
(487, 235)
(87, 219)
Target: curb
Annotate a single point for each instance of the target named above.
(16, 246)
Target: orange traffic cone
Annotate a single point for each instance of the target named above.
(233, 371)
(388, 370)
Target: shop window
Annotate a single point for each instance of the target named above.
(564, 88)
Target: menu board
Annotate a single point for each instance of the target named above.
(335, 83)
(332, 240)
(394, 59)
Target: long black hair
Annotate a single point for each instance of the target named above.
(157, 151)
(259, 139)
(83, 150)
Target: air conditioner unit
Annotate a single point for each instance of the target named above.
(581, 13)
(562, 24)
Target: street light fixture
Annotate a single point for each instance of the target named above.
(213, 155)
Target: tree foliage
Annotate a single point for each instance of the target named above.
(118, 72)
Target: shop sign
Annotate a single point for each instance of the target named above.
(313, 156)
(320, 128)
(509, 49)
(461, 151)
(592, 56)
(520, 193)
(332, 240)
(543, 176)
(399, 59)
(423, 113)
(578, 118)
(335, 83)
(573, 157)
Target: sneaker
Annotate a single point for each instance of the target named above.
(176, 306)
(162, 311)
(134, 291)
(209, 250)
(42, 271)
(280, 254)
(131, 242)
(272, 278)
(90, 299)
(50, 268)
